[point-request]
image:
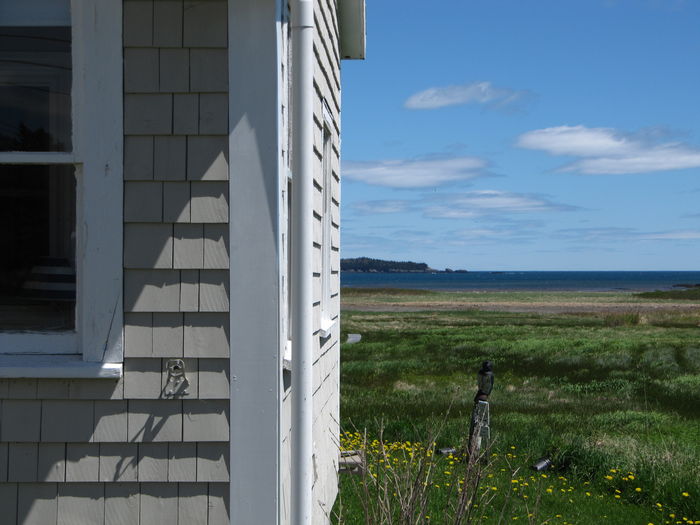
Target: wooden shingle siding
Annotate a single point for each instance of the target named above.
(326, 354)
(129, 451)
(113, 503)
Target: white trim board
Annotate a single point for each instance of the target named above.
(254, 203)
(56, 367)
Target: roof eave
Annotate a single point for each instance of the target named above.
(352, 29)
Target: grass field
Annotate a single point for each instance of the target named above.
(612, 395)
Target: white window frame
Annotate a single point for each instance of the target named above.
(327, 319)
(95, 348)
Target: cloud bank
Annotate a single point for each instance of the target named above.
(608, 151)
(466, 205)
(474, 93)
(415, 173)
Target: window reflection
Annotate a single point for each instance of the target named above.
(35, 88)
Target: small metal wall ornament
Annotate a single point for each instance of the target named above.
(177, 380)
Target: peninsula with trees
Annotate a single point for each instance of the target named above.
(369, 265)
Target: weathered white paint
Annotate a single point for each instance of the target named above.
(98, 158)
(56, 367)
(256, 354)
(98, 143)
(43, 157)
(38, 342)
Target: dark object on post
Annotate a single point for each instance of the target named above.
(480, 427)
(541, 465)
(485, 381)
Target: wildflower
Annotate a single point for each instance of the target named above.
(617, 496)
(685, 494)
(494, 488)
(613, 470)
(549, 490)
(608, 477)
(638, 489)
(588, 493)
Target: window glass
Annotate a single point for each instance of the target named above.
(37, 248)
(35, 86)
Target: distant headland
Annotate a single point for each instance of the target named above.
(369, 265)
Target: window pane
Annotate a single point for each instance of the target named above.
(37, 248)
(35, 88)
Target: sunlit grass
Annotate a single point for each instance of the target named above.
(592, 391)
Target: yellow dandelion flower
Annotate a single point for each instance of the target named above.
(494, 488)
(549, 491)
(617, 496)
(608, 477)
(588, 493)
(638, 489)
(685, 494)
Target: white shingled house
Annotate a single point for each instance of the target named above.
(169, 259)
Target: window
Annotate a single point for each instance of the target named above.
(60, 187)
(327, 319)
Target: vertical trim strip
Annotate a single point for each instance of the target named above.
(254, 203)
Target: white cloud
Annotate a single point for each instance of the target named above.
(607, 151)
(672, 236)
(476, 92)
(416, 173)
(383, 206)
(467, 205)
(489, 202)
(616, 234)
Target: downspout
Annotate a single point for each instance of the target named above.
(302, 262)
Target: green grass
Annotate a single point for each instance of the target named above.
(593, 391)
(691, 294)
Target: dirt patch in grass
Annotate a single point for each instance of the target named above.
(549, 307)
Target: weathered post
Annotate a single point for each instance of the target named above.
(480, 427)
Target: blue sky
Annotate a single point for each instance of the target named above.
(525, 135)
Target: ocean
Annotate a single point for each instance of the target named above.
(525, 281)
